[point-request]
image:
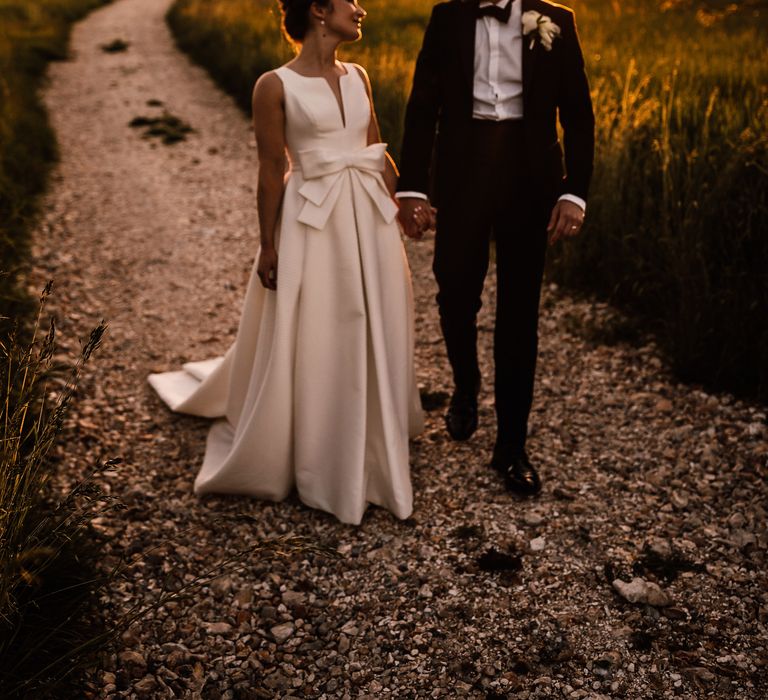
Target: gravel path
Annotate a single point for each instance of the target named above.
(644, 477)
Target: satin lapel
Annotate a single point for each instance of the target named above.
(466, 30)
(529, 55)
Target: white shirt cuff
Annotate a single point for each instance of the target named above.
(415, 195)
(576, 200)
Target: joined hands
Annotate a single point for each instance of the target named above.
(416, 216)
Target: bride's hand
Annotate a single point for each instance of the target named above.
(267, 268)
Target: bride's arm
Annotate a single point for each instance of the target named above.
(374, 136)
(269, 126)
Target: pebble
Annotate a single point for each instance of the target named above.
(283, 632)
(533, 518)
(661, 547)
(134, 662)
(221, 586)
(293, 599)
(641, 591)
(244, 596)
(145, 687)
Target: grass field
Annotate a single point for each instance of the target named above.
(679, 206)
(32, 33)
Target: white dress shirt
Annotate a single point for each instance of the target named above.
(498, 81)
(498, 84)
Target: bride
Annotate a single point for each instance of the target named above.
(318, 391)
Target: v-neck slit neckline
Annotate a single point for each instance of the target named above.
(340, 99)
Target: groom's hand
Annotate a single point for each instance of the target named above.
(416, 216)
(566, 220)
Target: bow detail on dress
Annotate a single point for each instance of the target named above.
(323, 170)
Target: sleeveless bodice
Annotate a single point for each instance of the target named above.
(313, 117)
(326, 148)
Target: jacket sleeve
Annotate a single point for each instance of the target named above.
(422, 113)
(576, 116)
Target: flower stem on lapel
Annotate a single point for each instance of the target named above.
(537, 25)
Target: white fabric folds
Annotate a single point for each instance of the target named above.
(318, 391)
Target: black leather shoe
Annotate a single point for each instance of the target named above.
(520, 477)
(461, 419)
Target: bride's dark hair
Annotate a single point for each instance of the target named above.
(296, 17)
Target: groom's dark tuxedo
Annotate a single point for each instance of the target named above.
(496, 176)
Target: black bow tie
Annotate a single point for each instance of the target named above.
(499, 13)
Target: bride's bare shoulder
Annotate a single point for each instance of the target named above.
(268, 89)
(269, 81)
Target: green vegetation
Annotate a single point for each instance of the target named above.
(49, 554)
(679, 204)
(32, 33)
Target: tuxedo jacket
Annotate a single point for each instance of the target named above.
(440, 106)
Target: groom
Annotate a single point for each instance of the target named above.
(481, 137)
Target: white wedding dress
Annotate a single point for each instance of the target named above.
(318, 391)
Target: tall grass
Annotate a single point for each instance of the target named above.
(48, 553)
(679, 205)
(32, 33)
(678, 212)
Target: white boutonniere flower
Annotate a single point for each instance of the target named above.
(536, 24)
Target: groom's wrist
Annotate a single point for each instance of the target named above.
(573, 198)
(411, 195)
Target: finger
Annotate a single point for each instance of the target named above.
(413, 232)
(554, 229)
(555, 222)
(572, 226)
(563, 227)
(553, 218)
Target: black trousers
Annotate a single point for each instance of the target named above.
(493, 197)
